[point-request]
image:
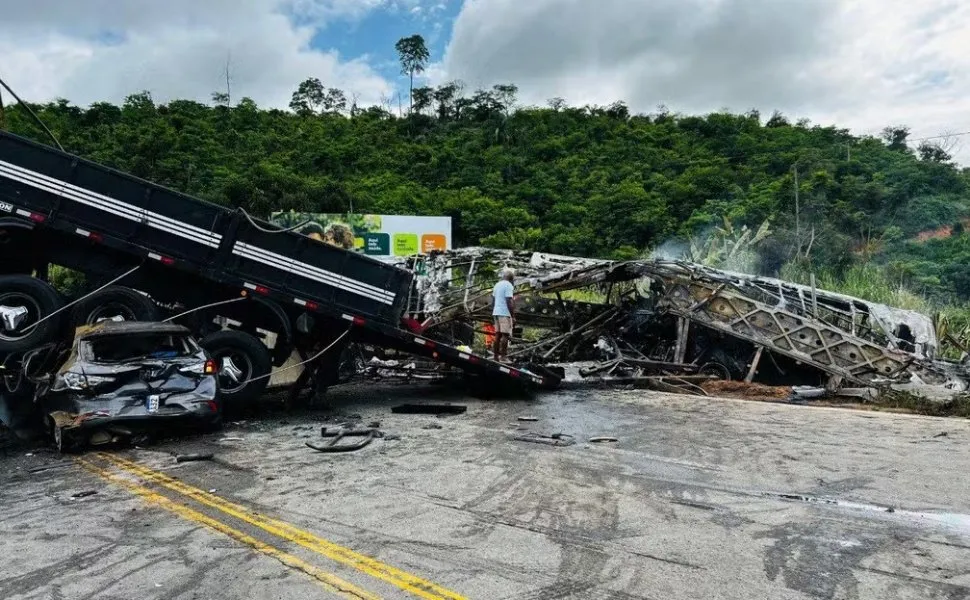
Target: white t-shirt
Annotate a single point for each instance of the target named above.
(502, 291)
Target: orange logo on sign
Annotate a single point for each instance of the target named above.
(432, 241)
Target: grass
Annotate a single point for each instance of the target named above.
(957, 406)
(867, 281)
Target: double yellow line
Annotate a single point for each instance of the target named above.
(320, 546)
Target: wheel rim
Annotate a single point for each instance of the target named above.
(717, 369)
(235, 370)
(16, 328)
(112, 311)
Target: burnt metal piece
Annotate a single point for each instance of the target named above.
(336, 435)
(556, 439)
(429, 409)
(193, 457)
(671, 317)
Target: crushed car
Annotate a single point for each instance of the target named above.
(121, 380)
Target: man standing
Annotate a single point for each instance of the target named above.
(503, 313)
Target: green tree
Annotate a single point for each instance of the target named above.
(601, 181)
(308, 97)
(421, 99)
(895, 137)
(413, 55)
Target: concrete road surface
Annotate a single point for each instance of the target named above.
(698, 498)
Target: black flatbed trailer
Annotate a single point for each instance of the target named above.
(60, 209)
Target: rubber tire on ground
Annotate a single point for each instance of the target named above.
(48, 301)
(219, 344)
(141, 307)
(736, 368)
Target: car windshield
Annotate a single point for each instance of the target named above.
(122, 348)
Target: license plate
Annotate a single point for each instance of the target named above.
(153, 402)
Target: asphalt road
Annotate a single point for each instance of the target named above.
(698, 498)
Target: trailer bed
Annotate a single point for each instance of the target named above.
(87, 208)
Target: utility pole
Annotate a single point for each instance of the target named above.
(3, 117)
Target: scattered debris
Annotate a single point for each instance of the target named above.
(366, 436)
(556, 439)
(528, 418)
(83, 494)
(602, 439)
(193, 457)
(806, 392)
(429, 409)
(660, 323)
(431, 426)
(942, 434)
(231, 439)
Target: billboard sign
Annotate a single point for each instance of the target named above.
(381, 236)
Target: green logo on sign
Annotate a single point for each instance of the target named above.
(405, 244)
(378, 244)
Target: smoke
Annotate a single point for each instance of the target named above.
(672, 249)
(723, 247)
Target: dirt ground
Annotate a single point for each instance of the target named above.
(697, 498)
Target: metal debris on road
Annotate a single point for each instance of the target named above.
(366, 436)
(83, 494)
(193, 457)
(556, 439)
(429, 409)
(602, 439)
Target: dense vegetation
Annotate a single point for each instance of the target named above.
(591, 180)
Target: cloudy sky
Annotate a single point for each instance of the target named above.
(862, 64)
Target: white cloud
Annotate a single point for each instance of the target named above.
(91, 50)
(862, 64)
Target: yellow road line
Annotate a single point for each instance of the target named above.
(327, 580)
(371, 566)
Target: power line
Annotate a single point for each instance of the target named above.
(941, 136)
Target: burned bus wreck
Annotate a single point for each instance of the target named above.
(677, 319)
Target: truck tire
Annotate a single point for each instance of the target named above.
(39, 299)
(241, 357)
(113, 302)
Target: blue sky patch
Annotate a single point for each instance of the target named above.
(375, 34)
